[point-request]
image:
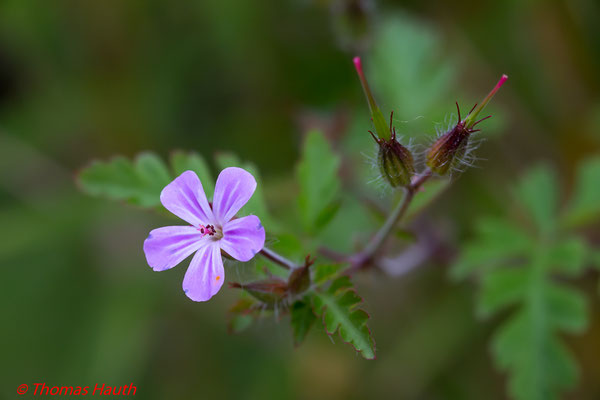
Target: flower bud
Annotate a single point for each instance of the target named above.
(448, 150)
(395, 162)
(299, 280)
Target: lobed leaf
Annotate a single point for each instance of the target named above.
(139, 182)
(496, 241)
(501, 288)
(528, 343)
(540, 366)
(302, 318)
(584, 206)
(537, 192)
(182, 161)
(568, 256)
(325, 272)
(337, 306)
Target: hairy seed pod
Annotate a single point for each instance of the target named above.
(446, 152)
(395, 162)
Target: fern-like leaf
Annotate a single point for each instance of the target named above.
(517, 267)
(338, 307)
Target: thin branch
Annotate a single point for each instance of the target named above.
(278, 259)
(363, 258)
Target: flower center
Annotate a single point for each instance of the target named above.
(210, 230)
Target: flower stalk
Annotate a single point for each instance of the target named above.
(278, 259)
(362, 259)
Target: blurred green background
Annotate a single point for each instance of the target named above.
(81, 80)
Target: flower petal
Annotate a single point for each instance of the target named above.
(168, 246)
(185, 198)
(205, 275)
(234, 188)
(243, 237)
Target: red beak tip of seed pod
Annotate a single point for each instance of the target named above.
(358, 65)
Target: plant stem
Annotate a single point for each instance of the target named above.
(361, 259)
(278, 259)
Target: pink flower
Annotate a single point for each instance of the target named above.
(212, 230)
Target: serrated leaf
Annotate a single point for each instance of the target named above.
(302, 318)
(256, 205)
(537, 191)
(138, 183)
(338, 308)
(584, 206)
(182, 161)
(325, 272)
(319, 183)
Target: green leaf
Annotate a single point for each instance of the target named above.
(337, 306)
(325, 272)
(428, 193)
(496, 240)
(256, 205)
(538, 193)
(327, 214)
(584, 206)
(319, 183)
(567, 308)
(501, 288)
(539, 364)
(182, 161)
(241, 315)
(528, 344)
(302, 318)
(568, 256)
(138, 183)
(412, 85)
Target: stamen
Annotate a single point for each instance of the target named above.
(207, 230)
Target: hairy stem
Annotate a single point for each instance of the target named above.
(278, 259)
(364, 257)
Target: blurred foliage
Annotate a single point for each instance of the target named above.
(319, 184)
(88, 80)
(519, 267)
